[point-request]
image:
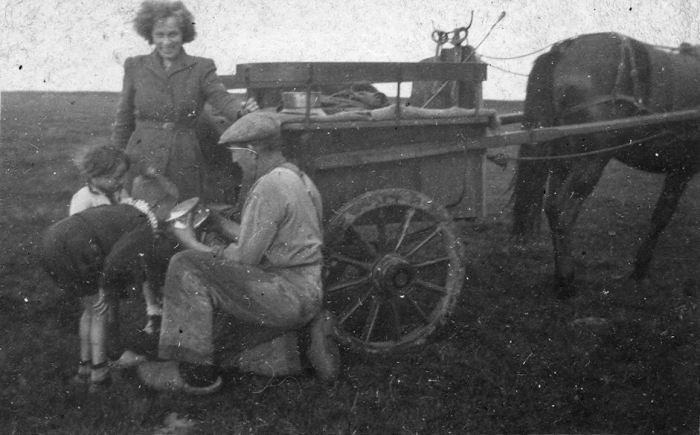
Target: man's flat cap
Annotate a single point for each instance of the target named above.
(253, 126)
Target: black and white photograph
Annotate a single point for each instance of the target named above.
(349, 217)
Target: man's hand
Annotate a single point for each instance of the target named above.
(188, 239)
(249, 106)
(184, 234)
(224, 227)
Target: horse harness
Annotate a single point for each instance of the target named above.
(627, 67)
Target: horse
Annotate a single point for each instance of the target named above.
(596, 77)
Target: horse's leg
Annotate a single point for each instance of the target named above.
(675, 184)
(568, 189)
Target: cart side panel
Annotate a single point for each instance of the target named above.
(439, 181)
(339, 185)
(348, 162)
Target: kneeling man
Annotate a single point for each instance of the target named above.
(264, 284)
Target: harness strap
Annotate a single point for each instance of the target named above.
(627, 68)
(294, 168)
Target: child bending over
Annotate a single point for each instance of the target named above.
(104, 167)
(99, 252)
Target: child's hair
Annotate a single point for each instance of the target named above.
(101, 159)
(155, 189)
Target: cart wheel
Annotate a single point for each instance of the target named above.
(393, 269)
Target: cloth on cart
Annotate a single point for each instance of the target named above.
(389, 113)
(353, 100)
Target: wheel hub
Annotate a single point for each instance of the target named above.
(393, 273)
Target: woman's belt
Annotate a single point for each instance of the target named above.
(161, 125)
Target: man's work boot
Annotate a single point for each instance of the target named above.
(323, 351)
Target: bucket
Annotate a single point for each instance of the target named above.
(295, 102)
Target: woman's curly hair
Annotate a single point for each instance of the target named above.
(153, 10)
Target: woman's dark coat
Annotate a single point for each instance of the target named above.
(158, 112)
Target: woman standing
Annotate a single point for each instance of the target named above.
(164, 94)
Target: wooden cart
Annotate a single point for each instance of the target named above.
(394, 264)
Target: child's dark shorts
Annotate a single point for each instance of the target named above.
(72, 256)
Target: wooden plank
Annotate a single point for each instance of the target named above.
(546, 134)
(389, 154)
(511, 118)
(455, 180)
(295, 74)
(421, 150)
(369, 125)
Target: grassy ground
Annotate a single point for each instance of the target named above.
(511, 358)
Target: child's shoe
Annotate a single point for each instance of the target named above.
(153, 325)
(155, 315)
(101, 386)
(83, 375)
(100, 378)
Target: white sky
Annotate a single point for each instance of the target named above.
(67, 45)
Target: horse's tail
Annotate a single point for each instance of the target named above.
(531, 172)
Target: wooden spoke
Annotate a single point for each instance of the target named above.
(417, 307)
(431, 262)
(404, 229)
(396, 320)
(431, 236)
(381, 230)
(371, 320)
(348, 284)
(345, 259)
(430, 286)
(347, 313)
(364, 244)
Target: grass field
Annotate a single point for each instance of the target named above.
(510, 359)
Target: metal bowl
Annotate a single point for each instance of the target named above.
(297, 100)
(188, 212)
(182, 209)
